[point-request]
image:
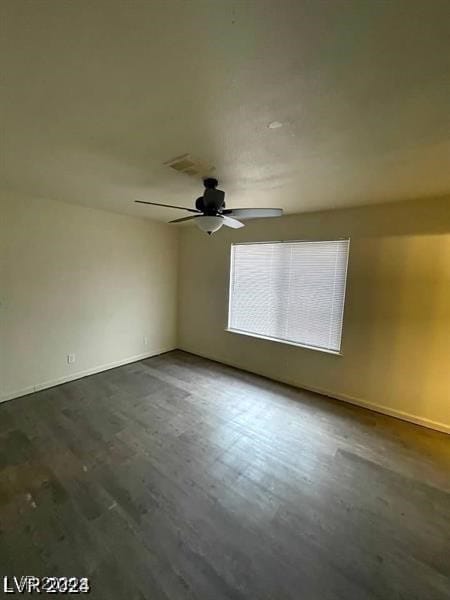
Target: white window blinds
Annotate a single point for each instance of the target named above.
(289, 291)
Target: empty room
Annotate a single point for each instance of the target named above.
(225, 299)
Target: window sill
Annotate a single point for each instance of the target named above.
(271, 339)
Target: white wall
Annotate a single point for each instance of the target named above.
(396, 335)
(83, 281)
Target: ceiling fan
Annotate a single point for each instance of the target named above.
(210, 211)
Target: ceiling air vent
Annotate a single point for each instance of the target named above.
(190, 166)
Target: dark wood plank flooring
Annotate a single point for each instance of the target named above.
(179, 478)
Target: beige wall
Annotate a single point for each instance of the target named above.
(94, 283)
(396, 349)
(83, 281)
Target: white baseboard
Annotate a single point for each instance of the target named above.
(79, 374)
(385, 410)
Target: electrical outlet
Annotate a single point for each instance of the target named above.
(145, 340)
(70, 358)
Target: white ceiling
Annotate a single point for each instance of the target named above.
(97, 94)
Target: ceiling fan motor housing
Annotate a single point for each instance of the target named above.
(212, 201)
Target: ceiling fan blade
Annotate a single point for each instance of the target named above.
(168, 206)
(184, 219)
(233, 223)
(252, 213)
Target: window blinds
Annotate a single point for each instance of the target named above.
(289, 291)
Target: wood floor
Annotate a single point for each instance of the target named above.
(179, 478)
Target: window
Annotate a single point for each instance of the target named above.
(291, 292)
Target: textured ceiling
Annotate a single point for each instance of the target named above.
(96, 95)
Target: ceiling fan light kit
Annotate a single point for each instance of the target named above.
(209, 224)
(211, 213)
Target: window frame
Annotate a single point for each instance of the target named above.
(278, 340)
